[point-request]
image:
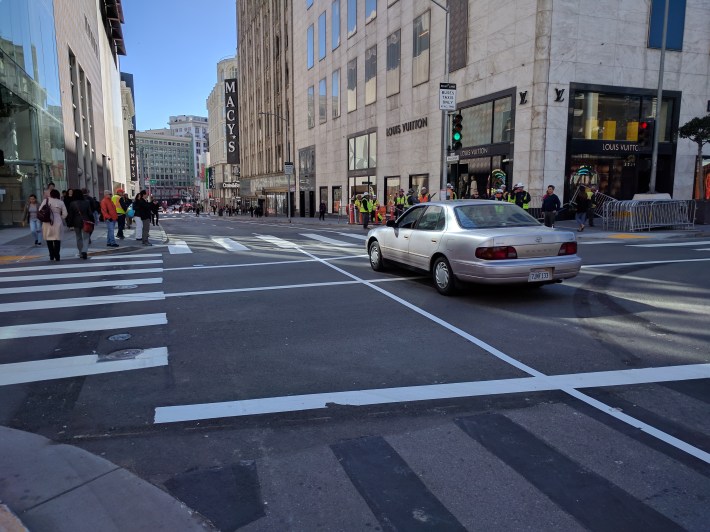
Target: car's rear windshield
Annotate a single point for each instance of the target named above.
(495, 214)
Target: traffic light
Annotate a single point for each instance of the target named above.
(457, 135)
(646, 133)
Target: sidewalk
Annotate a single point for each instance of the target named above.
(49, 487)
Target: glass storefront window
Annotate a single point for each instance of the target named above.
(502, 120)
(361, 152)
(478, 124)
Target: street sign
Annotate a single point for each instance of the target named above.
(447, 96)
(452, 158)
(288, 168)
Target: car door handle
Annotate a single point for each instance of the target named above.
(434, 240)
(406, 236)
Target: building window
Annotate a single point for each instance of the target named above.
(322, 98)
(458, 35)
(321, 36)
(362, 152)
(676, 24)
(309, 4)
(335, 23)
(420, 51)
(311, 108)
(309, 40)
(371, 75)
(335, 89)
(352, 85)
(352, 17)
(370, 10)
(393, 60)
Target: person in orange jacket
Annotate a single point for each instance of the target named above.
(110, 216)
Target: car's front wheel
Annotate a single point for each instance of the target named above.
(376, 261)
(443, 276)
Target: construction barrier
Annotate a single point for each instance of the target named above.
(644, 215)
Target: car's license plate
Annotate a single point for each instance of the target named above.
(540, 275)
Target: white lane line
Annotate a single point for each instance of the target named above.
(125, 256)
(352, 235)
(671, 244)
(293, 403)
(701, 249)
(76, 266)
(41, 304)
(179, 247)
(229, 244)
(592, 242)
(56, 277)
(77, 366)
(641, 263)
(76, 326)
(280, 242)
(286, 287)
(327, 240)
(80, 286)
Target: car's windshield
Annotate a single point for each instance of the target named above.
(486, 216)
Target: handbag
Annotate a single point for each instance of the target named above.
(130, 212)
(87, 227)
(44, 214)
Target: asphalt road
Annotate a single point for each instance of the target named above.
(582, 405)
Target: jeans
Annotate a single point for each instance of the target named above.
(82, 239)
(550, 218)
(146, 230)
(581, 217)
(36, 230)
(110, 226)
(139, 227)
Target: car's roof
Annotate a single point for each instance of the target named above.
(460, 202)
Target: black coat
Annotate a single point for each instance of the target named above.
(142, 208)
(78, 212)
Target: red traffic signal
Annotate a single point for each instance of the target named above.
(645, 137)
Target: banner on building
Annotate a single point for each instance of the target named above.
(232, 124)
(133, 166)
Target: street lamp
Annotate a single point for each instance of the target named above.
(288, 150)
(444, 168)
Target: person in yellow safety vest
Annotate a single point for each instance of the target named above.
(505, 192)
(376, 216)
(116, 200)
(400, 203)
(365, 210)
(591, 196)
(521, 197)
(423, 196)
(356, 207)
(450, 194)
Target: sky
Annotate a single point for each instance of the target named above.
(173, 47)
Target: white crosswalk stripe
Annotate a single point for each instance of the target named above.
(355, 236)
(229, 244)
(279, 242)
(327, 240)
(179, 247)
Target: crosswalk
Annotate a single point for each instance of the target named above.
(180, 246)
(34, 297)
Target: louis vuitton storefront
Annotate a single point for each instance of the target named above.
(603, 136)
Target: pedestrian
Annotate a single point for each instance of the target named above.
(126, 203)
(582, 202)
(67, 197)
(424, 197)
(400, 203)
(110, 216)
(94, 203)
(251, 210)
(137, 219)
(550, 205)
(197, 210)
(321, 211)
(450, 193)
(498, 195)
(120, 212)
(154, 212)
(521, 197)
(412, 198)
(29, 216)
(81, 218)
(591, 196)
(365, 210)
(143, 210)
(52, 230)
(50, 187)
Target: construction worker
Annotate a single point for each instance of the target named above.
(356, 207)
(498, 195)
(365, 210)
(400, 203)
(375, 211)
(412, 198)
(424, 197)
(116, 200)
(521, 197)
(450, 194)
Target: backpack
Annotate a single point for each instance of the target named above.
(44, 214)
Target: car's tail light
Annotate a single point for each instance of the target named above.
(568, 248)
(497, 253)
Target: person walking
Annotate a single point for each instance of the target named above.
(550, 205)
(591, 196)
(142, 208)
(52, 230)
(81, 218)
(154, 212)
(110, 216)
(321, 211)
(582, 202)
(29, 216)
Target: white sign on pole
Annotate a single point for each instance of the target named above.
(447, 96)
(452, 158)
(288, 168)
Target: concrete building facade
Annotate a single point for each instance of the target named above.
(196, 128)
(165, 166)
(549, 91)
(226, 176)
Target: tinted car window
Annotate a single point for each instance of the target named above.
(430, 220)
(486, 216)
(409, 218)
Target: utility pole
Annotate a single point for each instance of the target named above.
(444, 165)
(659, 104)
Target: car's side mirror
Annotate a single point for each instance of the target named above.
(391, 223)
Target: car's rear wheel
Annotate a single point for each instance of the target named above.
(376, 261)
(444, 280)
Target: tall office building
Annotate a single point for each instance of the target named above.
(226, 176)
(165, 166)
(196, 128)
(264, 53)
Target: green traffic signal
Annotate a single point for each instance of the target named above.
(457, 135)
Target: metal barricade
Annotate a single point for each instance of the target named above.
(644, 215)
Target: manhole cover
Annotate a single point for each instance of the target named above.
(123, 354)
(119, 337)
(125, 287)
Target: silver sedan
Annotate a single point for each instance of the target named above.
(477, 241)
